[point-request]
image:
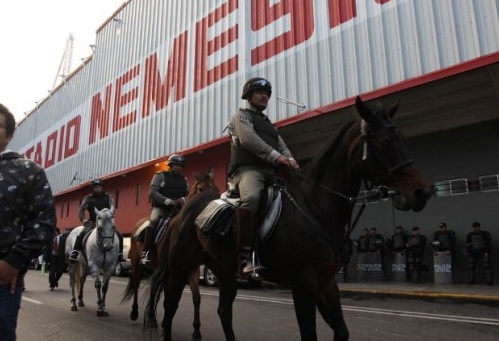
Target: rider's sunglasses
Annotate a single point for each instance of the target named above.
(261, 82)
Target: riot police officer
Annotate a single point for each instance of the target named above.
(168, 192)
(362, 242)
(376, 241)
(478, 247)
(99, 200)
(415, 253)
(445, 240)
(399, 240)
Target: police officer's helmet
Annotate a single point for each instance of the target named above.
(256, 83)
(176, 159)
(97, 182)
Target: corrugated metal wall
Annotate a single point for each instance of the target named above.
(314, 52)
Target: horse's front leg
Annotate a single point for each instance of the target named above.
(105, 286)
(329, 305)
(98, 289)
(196, 301)
(228, 292)
(304, 289)
(173, 293)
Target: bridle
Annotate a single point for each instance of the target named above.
(101, 236)
(388, 169)
(382, 192)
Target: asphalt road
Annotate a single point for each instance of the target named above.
(266, 313)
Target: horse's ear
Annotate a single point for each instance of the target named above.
(393, 109)
(96, 210)
(111, 210)
(363, 110)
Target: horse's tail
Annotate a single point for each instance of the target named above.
(129, 290)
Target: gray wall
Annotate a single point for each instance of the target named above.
(459, 153)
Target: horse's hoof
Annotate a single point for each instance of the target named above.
(81, 304)
(74, 308)
(134, 315)
(196, 336)
(101, 313)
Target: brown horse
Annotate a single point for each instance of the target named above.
(203, 182)
(305, 248)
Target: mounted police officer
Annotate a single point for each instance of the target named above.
(478, 247)
(256, 151)
(168, 192)
(99, 200)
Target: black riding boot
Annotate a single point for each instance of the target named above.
(148, 245)
(471, 276)
(120, 243)
(246, 225)
(77, 249)
(488, 276)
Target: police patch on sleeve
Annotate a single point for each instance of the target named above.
(244, 119)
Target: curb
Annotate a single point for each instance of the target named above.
(475, 298)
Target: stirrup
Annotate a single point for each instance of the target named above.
(74, 256)
(120, 258)
(250, 265)
(144, 259)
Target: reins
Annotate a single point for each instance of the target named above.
(382, 193)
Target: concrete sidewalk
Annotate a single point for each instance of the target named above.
(476, 293)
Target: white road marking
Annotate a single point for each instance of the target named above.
(31, 300)
(402, 313)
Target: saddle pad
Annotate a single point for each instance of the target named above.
(216, 218)
(138, 233)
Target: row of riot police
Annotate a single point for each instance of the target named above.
(411, 248)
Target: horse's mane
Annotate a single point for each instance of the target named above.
(318, 164)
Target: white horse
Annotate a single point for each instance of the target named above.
(99, 253)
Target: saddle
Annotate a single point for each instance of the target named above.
(159, 230)
(218, 216)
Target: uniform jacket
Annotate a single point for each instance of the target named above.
(447, 240)
(27, 210)
(481, 238)
(255, 140)
(91, 202)
(166, 186)
(416, 243)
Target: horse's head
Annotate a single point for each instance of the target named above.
(203, 182)
(381, 157)
(105, 227)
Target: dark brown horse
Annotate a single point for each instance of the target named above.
(305, 249)
(203, 182)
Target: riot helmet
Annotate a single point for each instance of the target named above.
(176, 159)
(97, 182)
(256, 83)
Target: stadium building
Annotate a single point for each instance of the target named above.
(166, 76)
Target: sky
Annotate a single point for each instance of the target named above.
(33, 36)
